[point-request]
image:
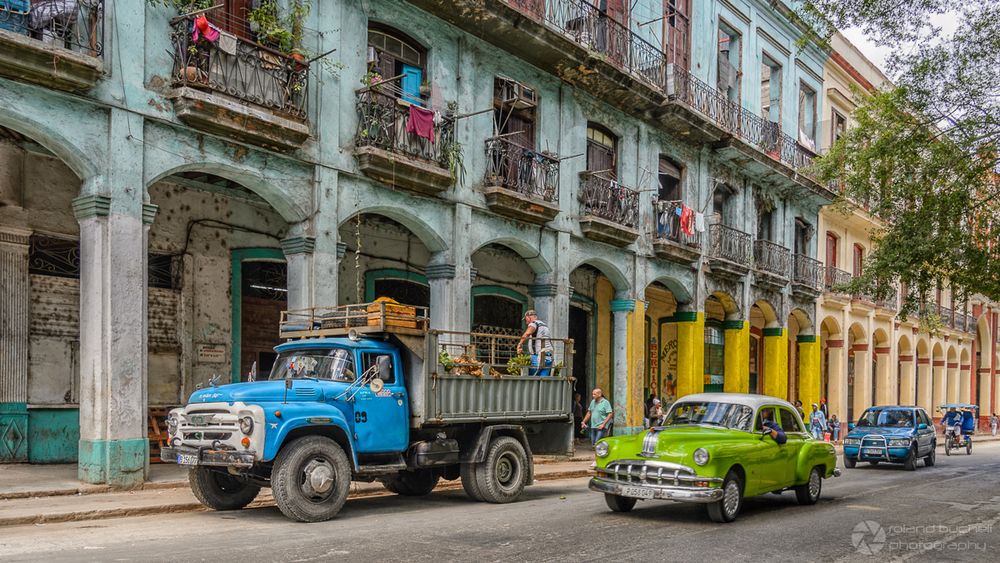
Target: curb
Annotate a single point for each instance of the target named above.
(266, 500)
(93, 490)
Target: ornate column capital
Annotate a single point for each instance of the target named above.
(440, 271)
(298, 245)
(87, 206)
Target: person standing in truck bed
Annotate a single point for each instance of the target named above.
(539, 346)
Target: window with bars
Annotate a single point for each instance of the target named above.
(60, 257)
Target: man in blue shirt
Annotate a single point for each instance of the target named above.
(767, 422)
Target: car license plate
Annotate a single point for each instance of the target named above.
(636, 492)
(872, 451)
(187, 459)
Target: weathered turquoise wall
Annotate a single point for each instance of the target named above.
(54, 435)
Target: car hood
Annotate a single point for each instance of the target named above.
(259, 392)
(880, 430)
(677, 443)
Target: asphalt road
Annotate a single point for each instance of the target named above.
(948, 512)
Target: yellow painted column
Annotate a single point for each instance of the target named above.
(776, 362)
(810, 378)
(690, 352)
(638, 348)
(862, 379)
(883, 377)
(924, 385)
(940, 385)
(965, 385)
(908, 382)
(737, 360)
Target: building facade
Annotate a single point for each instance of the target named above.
(634, 171)
(870, 354)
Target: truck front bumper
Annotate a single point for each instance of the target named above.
(677, 493)
(194, 456)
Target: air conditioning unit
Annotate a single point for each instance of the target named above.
(513, 93)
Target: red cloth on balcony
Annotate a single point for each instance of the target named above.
(202, 28)
(421, 122)
(687, 220)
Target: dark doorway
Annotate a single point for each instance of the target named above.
(579, 331)
(264, 297)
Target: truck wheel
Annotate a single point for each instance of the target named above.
(311, 479)
(468, 472)
(219, 490)
(619, 503)
(412, 483)
(501, 476)
(809, 492)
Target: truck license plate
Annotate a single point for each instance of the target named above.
(873, 451)
(636, 492)
(187, 459)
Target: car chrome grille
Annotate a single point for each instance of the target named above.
(653, 473)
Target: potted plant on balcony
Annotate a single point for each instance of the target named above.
(280, 32)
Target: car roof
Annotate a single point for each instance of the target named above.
(749, 399)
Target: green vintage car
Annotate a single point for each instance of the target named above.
(712, 449)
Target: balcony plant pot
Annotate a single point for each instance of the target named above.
(193, 75)
(300, 61)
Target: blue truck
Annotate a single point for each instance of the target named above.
(369, 393)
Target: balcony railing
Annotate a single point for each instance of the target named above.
(807, 272)
(604, 197)
(891, 302)
(836, 278)
(77, 25)
(521, 170)
(382, 123)
(947, 316)
(668, 224)
(771, 257)
(243, 70)
(731, 244)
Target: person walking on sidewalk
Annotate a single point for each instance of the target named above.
(599, 415)
(994, 423)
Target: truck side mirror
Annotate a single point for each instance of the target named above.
(384, 367)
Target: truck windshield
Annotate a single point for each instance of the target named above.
(886, 417)
(727, 415)
(335, 364)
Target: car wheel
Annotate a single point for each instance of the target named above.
(412, 483)
(809, 492)
(910, 463)
(850, 463)
(619, 503)
(931, 457)
(728, 507)
(219, 490)
(311, 479)
(501, 477)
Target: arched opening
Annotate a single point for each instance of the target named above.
(799, 324)
(397, 61)
(858, 364)
(967, 389)
(661, 335)
(831, 365)
(718, 307)
(383, 258)
(762, 318)
(501, 279)
(880, 384)
(924, 385)
(953, 380)
(939, 377)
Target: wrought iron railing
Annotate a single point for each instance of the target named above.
(771, 257)
(238, 68)
(731, 244)
(604, 197)
(807, 272)
(669, 226)
(77, 25)
(970, 323)
(382, 123)
(836, 278)
(947, 316)
(521, 170)
(891, 302)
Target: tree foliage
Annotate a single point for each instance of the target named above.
(922, 154)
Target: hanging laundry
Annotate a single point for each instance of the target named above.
(203, 29)
(228, 43)
(687, 220)
(699, 222)
(421, 122)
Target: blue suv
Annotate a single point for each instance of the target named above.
(891, 434)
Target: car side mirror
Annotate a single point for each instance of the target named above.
(921, 426)
(850, 426)
(384, 367)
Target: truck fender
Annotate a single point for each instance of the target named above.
(334, 427)
(475, 451)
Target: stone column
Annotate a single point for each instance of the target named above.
(837, 376)
(113, 354)
(737, 360)
(907, 380)
(924, 385)
(952, 390)
(544, 295)
(965, 385)
(776, 362)
(862, 379)
(985, 391)
(298, 262)
(15, 308)
(810, 378)
(883, 357)
(940, 385)
(621, 308)
(690, 352)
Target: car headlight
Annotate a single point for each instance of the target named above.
(899, 442)
(852, 441)
(172, 424)
(246, 425)
(701, 456)
(601, 449)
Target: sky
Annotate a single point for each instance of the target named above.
(880, 54)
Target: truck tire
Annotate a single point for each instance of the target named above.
(311, 479)
(501, 477)
(412, 483)
(468, 472)
(219, 490)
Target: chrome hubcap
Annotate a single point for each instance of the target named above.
(731, 499)
(317, 478)
(814, 484)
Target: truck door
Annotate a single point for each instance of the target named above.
(382, 415)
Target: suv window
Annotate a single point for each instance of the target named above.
(788, 421)
(369, 361)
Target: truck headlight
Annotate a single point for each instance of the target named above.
(246, 425)
(899, 442)
(701, 456)
(601, 449)
(172, 424)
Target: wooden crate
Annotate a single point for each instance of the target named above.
(396, 315)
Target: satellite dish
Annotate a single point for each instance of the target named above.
(354, 335)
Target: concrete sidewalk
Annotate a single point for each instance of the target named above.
(53, 494)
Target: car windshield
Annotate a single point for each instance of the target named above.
(886, 417)
(334, 364)
(727, 415)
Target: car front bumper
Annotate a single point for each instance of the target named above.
(677, 493)
(890, 454)
(200, 456)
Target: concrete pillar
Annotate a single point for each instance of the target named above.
(113, 353)
(545, 297)
(836, 373)
(907, 380)
(952, 390)
(862, 379)
(447, 292)
(965, 383)
(810, 378)
(15, 308)
(985, 391)
(776, 361)
(940, 385)
(737, 361)
(298, 262)
(621, 308)
(690, 352)
(925, 385)
(883, 382)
